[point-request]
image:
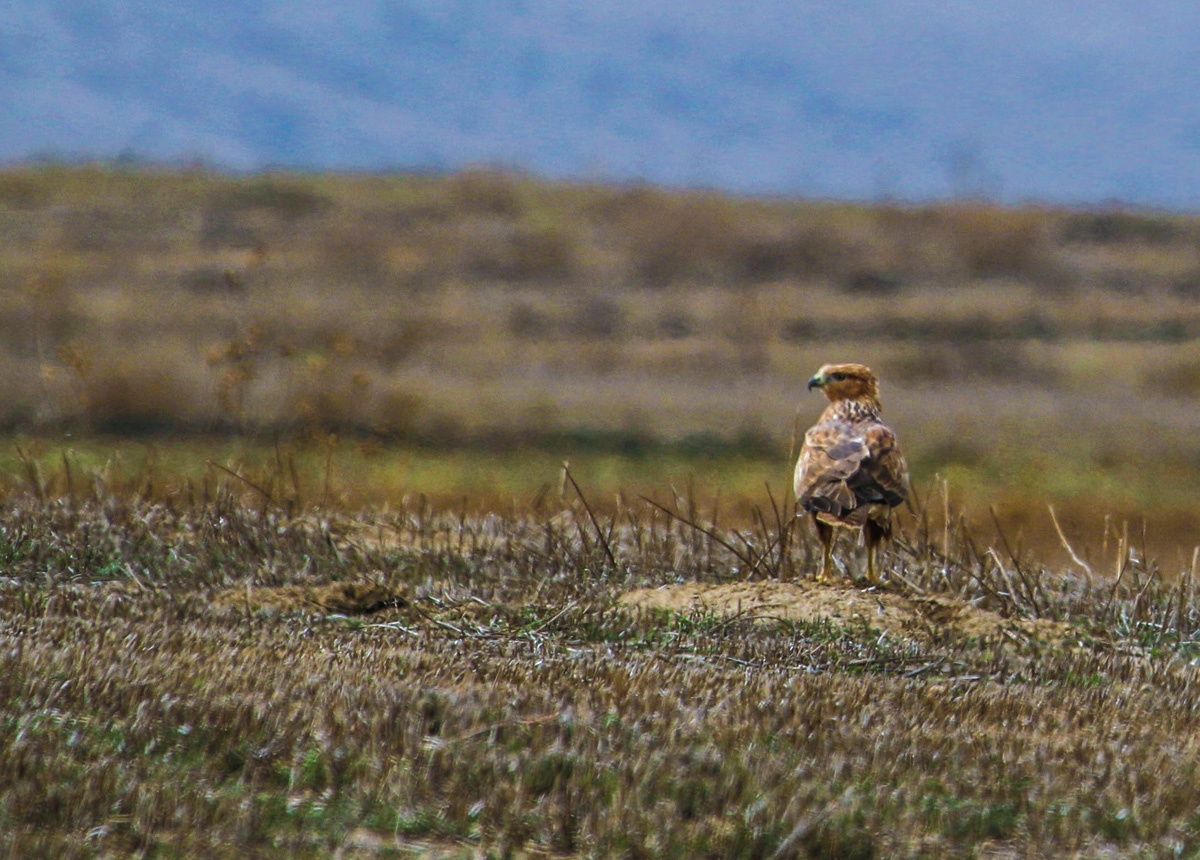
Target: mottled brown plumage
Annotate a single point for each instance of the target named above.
(850, 472)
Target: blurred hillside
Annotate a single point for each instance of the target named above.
(1036, 353)
(1062, 102)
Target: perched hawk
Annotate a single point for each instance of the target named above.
(850, 472)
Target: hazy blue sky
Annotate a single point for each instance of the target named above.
(1059, 101)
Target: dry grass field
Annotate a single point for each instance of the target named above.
(290, 565)
(1028, 355)
(216, 679)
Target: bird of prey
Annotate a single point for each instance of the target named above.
(850, 473)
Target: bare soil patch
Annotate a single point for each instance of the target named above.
(921, 618)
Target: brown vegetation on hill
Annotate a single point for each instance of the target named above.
(140, 299)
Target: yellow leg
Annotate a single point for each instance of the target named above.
(874, 533)
(826, 533)
(824, 576)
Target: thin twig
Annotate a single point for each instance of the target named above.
(551, 619)
(1028, 587)
(527, 721)
(33, 474)
(243, 479)
(567, 476)
(945, 528)
(1006, 597)
(748, 562)
(1087, 568)
(1122, 557)
(395, 625)
(445, 625)
(783, 528)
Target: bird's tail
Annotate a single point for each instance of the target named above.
(835, 498)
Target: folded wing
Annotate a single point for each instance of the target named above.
(844, 468)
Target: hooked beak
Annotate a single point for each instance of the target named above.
(815, 382)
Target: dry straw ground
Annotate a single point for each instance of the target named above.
(212, 678)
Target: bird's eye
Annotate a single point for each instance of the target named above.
(837, 377)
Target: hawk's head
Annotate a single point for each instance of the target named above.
(845, 382)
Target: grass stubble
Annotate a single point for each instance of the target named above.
(218, 676)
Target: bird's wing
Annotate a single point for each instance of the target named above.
(831, 453)
(884, 470)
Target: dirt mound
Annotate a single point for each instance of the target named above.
(920, 618)
(348, 598)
